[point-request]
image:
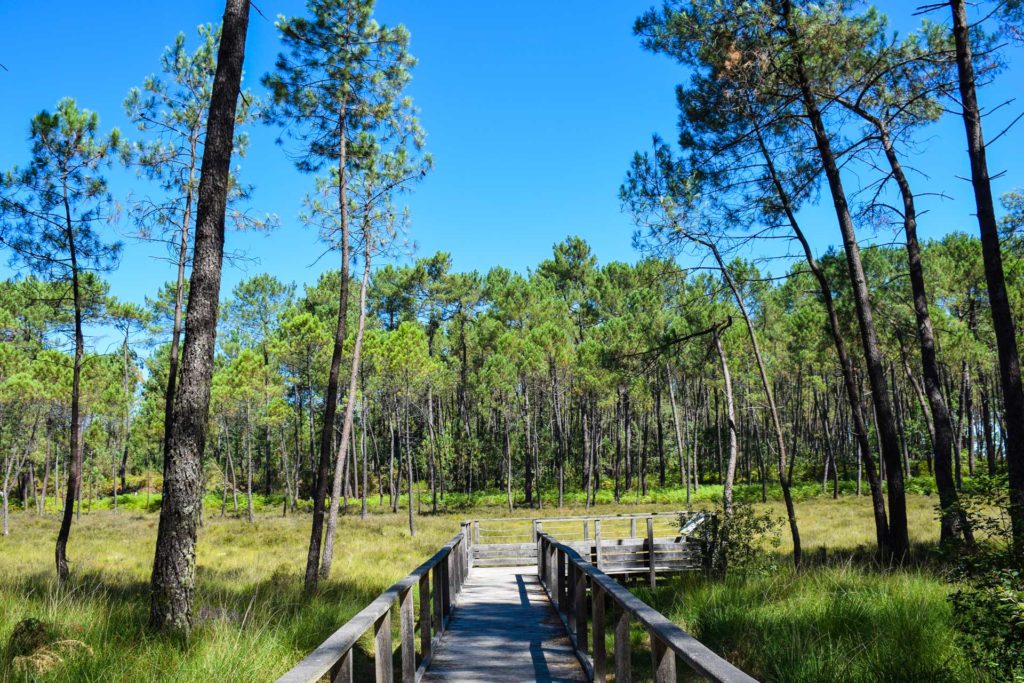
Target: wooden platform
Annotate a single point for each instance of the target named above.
(504, 629)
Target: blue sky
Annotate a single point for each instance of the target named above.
(532, 109)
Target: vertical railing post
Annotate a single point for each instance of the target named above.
(476, 531)
(597, 542)
(663, 661)
(540, 559)
(561, 580)
(600, 654)
(342, 671)
(407, 629)
(580, 603)
(446, 586)
(534, 537)
(570, 594)
(623, 667)
(466, 559)
(436, 582)
(632, 527)
(425, 634)
(652, 576)
(382, 649)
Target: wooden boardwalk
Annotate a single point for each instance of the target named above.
(504, 629)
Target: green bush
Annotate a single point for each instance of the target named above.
(988, 605)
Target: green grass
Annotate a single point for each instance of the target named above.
(839, 621)
(252, 572)
(833, 623)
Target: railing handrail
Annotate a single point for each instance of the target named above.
(578, 518)
(333, 650)
(698, 656)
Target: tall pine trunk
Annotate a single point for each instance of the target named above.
(346, 427)
(999, 302)
(173, 581)
(899, 540)
(77, 446)
(331, 395)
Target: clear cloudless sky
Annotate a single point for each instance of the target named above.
(532, 108)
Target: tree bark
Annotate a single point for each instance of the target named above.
(346, 427)
(173, 581)
(730, 416)
(75, 459)
(780, 441)
(999, 302)
(331, 395)
(899, 539)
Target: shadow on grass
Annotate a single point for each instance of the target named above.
(116, 611)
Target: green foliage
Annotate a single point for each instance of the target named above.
(988, 600)
(740, 543)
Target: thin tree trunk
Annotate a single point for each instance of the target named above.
(999, 302)
(899, 540)
(331, 397)
(780, 441)
(350, 405)
(75, 459)
(730, 415)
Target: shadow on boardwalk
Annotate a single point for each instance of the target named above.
(505, 629)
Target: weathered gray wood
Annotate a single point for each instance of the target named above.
(623, 666)
(597, 542)
(342, 671)
(323, 660)
(652, 576)
(382, 649)
(570, 597)
(560, 601)
(446, 588)
(436, 580)
(407, 626)
(600, 656)
(505, 629)
(696, 655)
(580, 601)
(425, 617)
(663, 660)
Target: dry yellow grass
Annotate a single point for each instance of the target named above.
(249, 582)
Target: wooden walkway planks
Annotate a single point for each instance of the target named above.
(504, 629)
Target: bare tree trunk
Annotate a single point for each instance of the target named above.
(346, 427)
(173, 581)
(46, 481)
(899, 540)
(248, 466)
(331, 396)
(680, 445)
(780, 441)
(75, 459)
(730, 415)
(999, 302)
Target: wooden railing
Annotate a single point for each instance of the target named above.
(513, 541)
(439, 580)
(566, 576)
(498, 530)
